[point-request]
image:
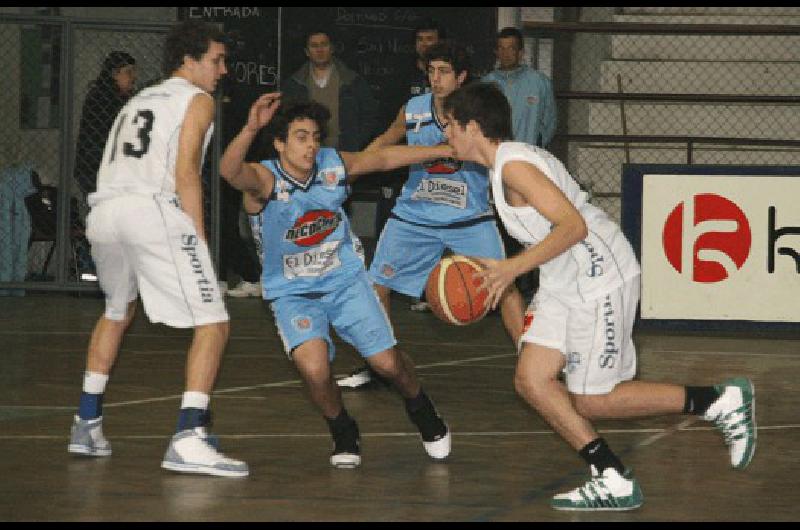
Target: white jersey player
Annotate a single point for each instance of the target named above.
(147, 235)
(581, 318)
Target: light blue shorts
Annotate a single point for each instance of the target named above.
(407, 253)
(354, 311)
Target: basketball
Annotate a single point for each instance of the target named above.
(452, 291)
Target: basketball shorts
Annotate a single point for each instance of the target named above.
(406, 253)
(353, 310)
(595, 337)
(147, 244)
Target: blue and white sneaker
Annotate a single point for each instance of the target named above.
(86, 438)
(190, 452)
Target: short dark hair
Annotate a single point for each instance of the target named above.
(450, 52)
(428, 24)
(299, 110)
(513, 32)
(486, 105)
(317, 31)
(192, 38)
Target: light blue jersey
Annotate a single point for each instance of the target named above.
(306, 240)
(445, 191)
(443, 205)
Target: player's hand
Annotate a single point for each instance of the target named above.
(262, 111)
(497, 276)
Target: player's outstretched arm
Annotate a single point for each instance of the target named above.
(188, 186)
(391, 157)
(533, 188)
(248, 177)
(393, 135)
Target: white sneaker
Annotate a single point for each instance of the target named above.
(609, 492)
(420, 306)
(734, 413)
(190, 452)
(246, 290)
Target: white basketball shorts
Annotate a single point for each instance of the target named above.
(595, 337)
(148, 244)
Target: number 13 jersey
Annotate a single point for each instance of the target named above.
(142, 146)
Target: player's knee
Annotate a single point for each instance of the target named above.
(387, 363)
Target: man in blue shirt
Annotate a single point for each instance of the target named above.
(530, 92)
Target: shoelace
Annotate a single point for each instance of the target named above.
(734, 424)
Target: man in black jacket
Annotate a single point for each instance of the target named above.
(347, 95)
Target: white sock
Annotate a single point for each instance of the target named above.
(94, 383)
(195, 400)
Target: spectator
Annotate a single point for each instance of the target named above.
(346, 94)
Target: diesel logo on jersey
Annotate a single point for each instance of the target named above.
(205, 287)
(443, 166)
(610, 352)
(313, 227)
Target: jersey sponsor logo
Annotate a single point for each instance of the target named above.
(312, 263)
(442, 191)
(443, 166)
(206, 289)
(533, 100)
(719, 238)
(313, 227)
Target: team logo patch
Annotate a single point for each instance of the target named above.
(329, 177)
(313, 227)
(301, 323)
(533, 100)
(387, 270)
(528, 320)
(573, 361)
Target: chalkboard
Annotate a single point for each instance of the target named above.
(378, 42)
(252, 59)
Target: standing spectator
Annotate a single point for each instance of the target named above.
(107, 94)
(347, 95)
(533, 114)
(529, 92)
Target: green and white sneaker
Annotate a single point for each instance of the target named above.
(609, 492)
(734, 413)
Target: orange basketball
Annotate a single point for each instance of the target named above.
(452, 291)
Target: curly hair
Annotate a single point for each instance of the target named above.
(299, 110)
(192, 38)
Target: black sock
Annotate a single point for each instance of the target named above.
(597, 453)
(341, 423)
(418, 403)
(698, 399)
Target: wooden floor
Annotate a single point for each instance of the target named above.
(505, 465)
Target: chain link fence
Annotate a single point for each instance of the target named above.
(65, 83)
(665, 73)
